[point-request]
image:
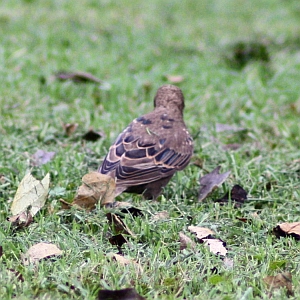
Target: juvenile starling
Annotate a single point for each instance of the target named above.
(152, 148)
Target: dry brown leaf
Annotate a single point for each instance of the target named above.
(124, 294)
(120, 259)
(201, 232)
(162, 215)
(92, 135)
(30, 197)
(186, 242)
(288, 229)
(216, 246)
(117, 240)
(40, 251)
(70, 128)
(3, 179)
(96, 188)
(117, 224)
(21, 220)
(65, 204)
(122, 204)
(237, 194)
(41, 157)
(77, 77)
(175, 78)
(125, 261)
(281, 280)
(210, 182)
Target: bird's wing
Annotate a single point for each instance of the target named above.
(140, 156)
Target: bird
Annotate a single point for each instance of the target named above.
(152, 148)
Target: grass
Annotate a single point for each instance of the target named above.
(132, 46)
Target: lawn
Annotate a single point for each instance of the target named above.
(237, 63)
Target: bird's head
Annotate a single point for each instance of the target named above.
(169, 96)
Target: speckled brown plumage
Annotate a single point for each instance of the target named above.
(152, 148)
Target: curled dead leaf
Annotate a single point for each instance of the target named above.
(237, 194)
(210, 182)
(70, 128)
(77, 77)
(124, 294)
(201, 232)
(205, 236)
(95, 188)
(281, 280)
(288, 229)
(125, 261)
(21, 220)
(186, 242)
(117, 240)
(117, 224)
(92, 135)
(216, 246)
(40, 251)
(30, 197)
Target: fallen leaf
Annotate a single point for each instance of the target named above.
(3, 179)
(233, 146)
(201, 232)
(244, 220)
(41, 157)
(92, 135)
(205, 236)
(227, 127)
(210, 182)
(65, 204)
(125, 261)
(175, 78)
(117, 224)
(70, 128)
(40, 251)
(24, 219)
(77, 77)
(95, 188)
(133, 211)
(216, 246)
(288, 229)
(281, 280)
(122, 204)
(29, 199)
(162, 215)
(124, 294)
(118, 240)
(228, 263)
(237, 194)
(120, 258)
(186, 242)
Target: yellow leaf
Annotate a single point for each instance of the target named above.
(31, 195)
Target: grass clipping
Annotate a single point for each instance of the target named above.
(95, 188)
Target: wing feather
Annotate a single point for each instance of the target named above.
(136, 159)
